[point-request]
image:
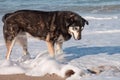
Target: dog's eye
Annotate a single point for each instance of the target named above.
(75, 28)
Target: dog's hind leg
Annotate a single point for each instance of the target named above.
(9, 45)
(10, 32)
(22, 39)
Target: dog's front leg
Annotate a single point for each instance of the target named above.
(51, 50)
(58, 49)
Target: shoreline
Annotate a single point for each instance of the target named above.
(25, 77)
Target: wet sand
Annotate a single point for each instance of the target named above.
(25, 77)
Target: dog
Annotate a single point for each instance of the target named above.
(54, 27)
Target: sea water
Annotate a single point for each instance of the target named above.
(99, 46)
(84, 6)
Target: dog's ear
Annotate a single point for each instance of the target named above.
(83, 22)
(86, 21)
(75, 17)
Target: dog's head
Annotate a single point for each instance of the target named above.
(75, 24)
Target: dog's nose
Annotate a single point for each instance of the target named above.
(79, 37)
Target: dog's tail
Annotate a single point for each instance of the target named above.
(5, 16)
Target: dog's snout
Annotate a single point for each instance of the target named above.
(79, 37)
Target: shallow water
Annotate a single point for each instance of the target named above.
(82, 6)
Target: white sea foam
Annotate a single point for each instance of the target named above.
(101, 18)
(9, 67)
(37, 67)
(79, 66)
(102, 32)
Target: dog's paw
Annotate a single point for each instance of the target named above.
(24, 58)
(57, 52)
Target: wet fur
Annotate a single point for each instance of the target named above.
(47, 26)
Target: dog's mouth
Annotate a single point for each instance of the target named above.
(76, 37)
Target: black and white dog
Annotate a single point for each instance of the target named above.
(53, 27)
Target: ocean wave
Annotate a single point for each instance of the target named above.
(102, 32)
(82, 6)
(101, 18)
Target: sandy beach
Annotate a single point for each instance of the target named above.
(24, 77)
